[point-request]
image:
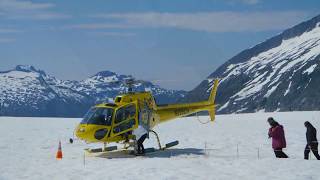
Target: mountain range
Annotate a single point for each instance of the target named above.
(27, 91)
(279, 74)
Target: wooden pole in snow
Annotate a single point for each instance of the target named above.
(84, 159)
(237, 150)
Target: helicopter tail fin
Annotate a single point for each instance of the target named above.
(213, 92)
(212, 97)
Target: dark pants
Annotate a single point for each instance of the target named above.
(140, 144)
(279, 153)
(314, 149)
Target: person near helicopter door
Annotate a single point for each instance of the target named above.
(141, 134)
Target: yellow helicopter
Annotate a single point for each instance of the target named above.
(114, 122)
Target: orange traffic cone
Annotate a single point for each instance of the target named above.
(59, 153)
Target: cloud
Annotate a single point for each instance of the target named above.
(251, 1)
(14, 5)
(225, 21)
(94, 26)
(6, 30)
(157, 81)
(248, 2)
(115, 34)
(22, 9)
(40, 16)
(7, 40)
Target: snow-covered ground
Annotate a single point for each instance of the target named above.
(233, 147)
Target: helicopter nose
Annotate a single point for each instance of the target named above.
(81, 132)
(91, 133)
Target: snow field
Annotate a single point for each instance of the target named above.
(206, 151)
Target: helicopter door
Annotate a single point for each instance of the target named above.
(145, 115)
(126, 119)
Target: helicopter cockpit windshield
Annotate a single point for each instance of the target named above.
(98, 116)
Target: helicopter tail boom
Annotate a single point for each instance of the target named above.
(173, 111)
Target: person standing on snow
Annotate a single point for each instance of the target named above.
(276, 132)
(312, 142)
(141, 134)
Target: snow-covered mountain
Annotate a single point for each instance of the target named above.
(280, 74)
(108, 84)
(26, 91)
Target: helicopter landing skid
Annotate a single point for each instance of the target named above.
(152, 149)
(99, 150)
(168, 145)
(127, 145)
(126, 153)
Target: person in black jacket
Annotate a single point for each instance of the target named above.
(312, 142)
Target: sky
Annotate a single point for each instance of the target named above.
(173, 43)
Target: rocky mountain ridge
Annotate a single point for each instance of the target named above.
(279, 74)
(27, 91)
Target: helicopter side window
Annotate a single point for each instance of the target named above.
(98, 116)
(124, 126)
(120, 116)
(118, 99)
(125, 113)
(125, 119)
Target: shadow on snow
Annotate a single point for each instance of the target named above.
(168, 153)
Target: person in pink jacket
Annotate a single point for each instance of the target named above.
(276, 132)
